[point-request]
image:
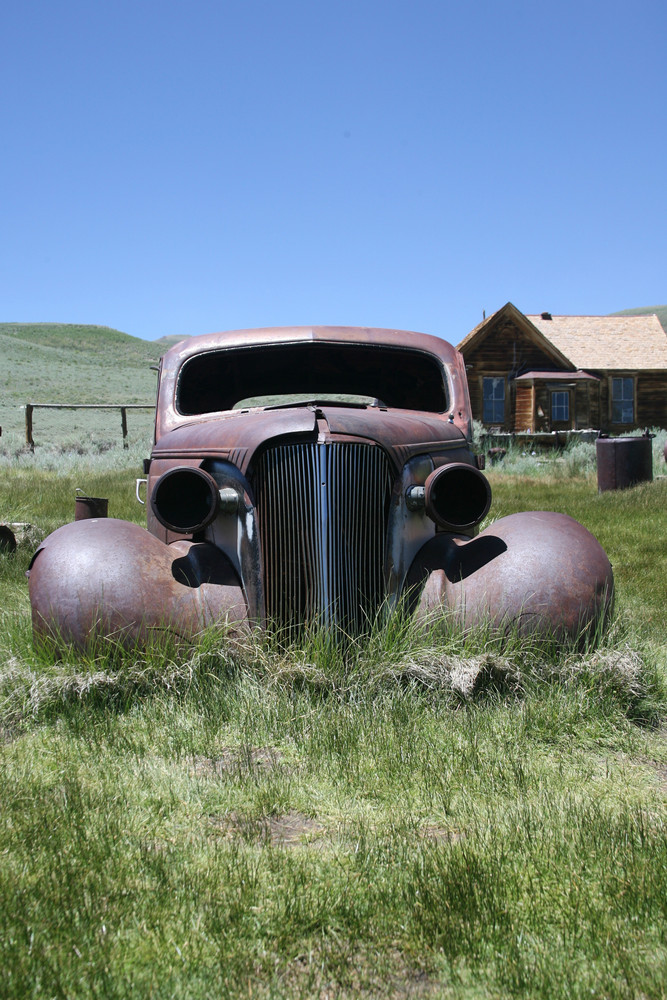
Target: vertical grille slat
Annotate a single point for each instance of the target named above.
(322, 512)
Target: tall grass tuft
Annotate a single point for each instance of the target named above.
(421, 811)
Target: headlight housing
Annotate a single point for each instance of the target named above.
(457, 496)
(185, 500)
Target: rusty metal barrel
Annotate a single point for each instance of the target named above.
(86, 507)
(623, 462)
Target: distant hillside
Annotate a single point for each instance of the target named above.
(91, 340)
(164, 343)
(66, 363)
(660, 311)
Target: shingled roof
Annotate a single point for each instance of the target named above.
(624, 343)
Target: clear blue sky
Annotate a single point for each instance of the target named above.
(173, 168)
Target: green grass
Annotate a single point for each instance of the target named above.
(65, 363)
(249, 835)
(306, 821)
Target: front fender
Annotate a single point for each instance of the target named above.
(109, 578)
(538, 572)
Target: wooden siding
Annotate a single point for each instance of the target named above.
(475, 391)
(595, 406)
(507, 352)
(542, 422)
(524, 413)
(507, 349)
(650, 401)
(582, 404)
(590, 404)
(651, 396)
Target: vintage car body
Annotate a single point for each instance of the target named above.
(357, 491)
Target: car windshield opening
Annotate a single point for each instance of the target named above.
(397, 377)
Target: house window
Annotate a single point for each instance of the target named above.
(494, 400)
(560, 407)
(622, 400)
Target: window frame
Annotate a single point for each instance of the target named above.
(402, 377)
(623, 400)
(502, 378)
(553, 404)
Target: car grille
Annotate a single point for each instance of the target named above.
(322, 511)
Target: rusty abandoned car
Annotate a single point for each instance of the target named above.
(314, 475)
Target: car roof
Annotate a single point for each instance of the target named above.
(264, 336)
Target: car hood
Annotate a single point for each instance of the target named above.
(237, 434)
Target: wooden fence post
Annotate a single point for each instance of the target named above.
(123, 424)
(28, 426)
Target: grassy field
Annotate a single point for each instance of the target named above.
(428, 815)
(64, 363)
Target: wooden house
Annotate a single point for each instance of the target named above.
(556, 373)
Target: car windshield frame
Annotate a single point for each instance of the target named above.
(398, 377)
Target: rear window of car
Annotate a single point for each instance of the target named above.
(391, 376)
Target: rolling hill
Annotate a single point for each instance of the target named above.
(68, 363)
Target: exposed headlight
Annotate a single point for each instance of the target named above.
(185, 499)
(457, 496)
